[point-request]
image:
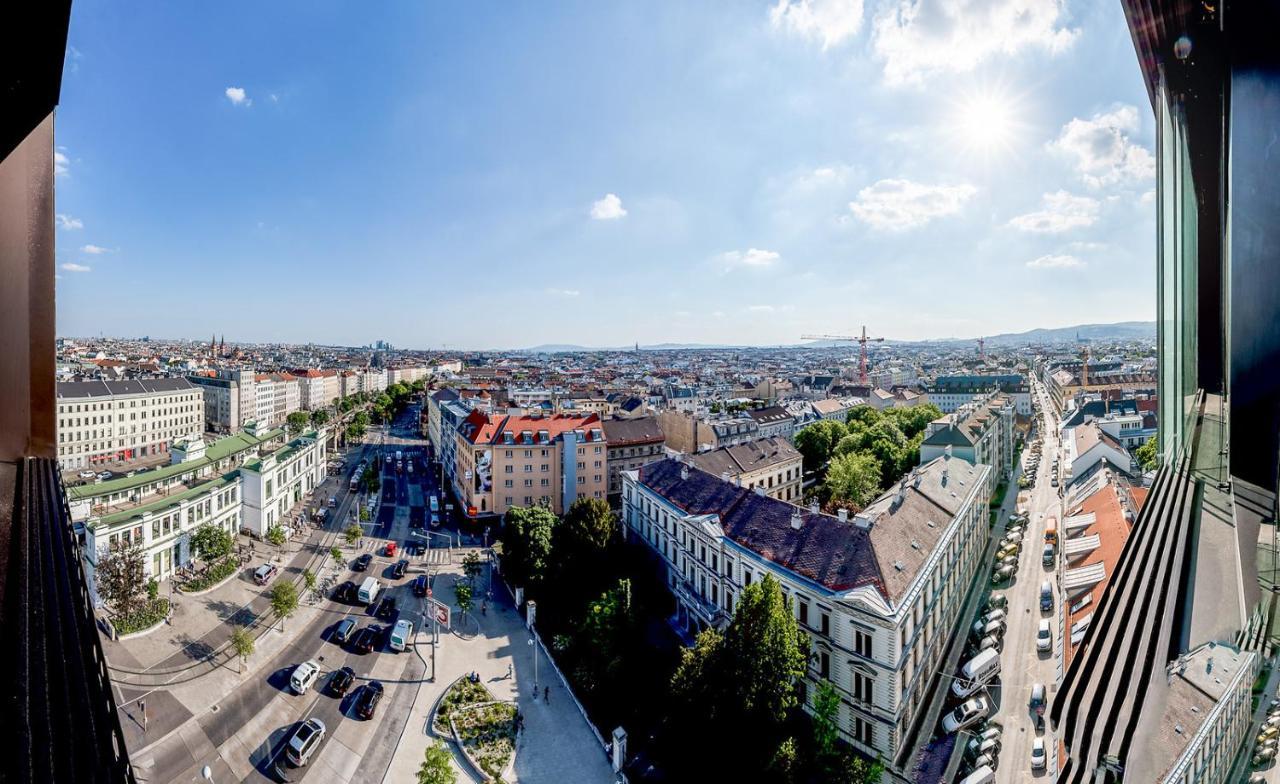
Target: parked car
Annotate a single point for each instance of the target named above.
(398, 570)
(346, 592)
(87, 475)
(994, 615)
(420, 585)
(1044, 637)
(391, 549)
(994, 642)
(367, 702)
(982, 628)
(1046, 596)
(1048, 557)
(967, 714)
(303, 676)
(1002, 574)
(304, 741)
(1038, 698)
(997, 601)
(1008, 551)
(343, 633)
(340, 681)
(1037, 754)
(263, 574)
(366, 639)
(386, 608)
(401, 633)
(362, 563)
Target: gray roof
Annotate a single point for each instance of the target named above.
(641, 430)
(746, 458)
(71, 390)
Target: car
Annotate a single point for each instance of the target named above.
(346, 592)
(420, 585)
(1049, 555)
(263, 574)
(386, 608)
(994, 615)
(399, 569)
(333, 502)
(343, 633)
(87, 475)
(303, 676)
(304, 741)
(367, 701)
(1046, 596)
(1013, 537)
(391, 549)
(982, 628)
(979, 746)
(1044, 637)
(1037, 700)
(362, 563)
(1037, 754)
(994, 641)
(1053, 482)
(967, 714)
(400, 636)
(104, 476)
(366, 639)
(1002, 574)
(340, 681)
(997, 601)
(1010, 550)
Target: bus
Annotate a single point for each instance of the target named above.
(355, 481)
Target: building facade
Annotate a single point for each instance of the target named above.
(770, 463)
(948, 393)
(980, 431)
(106, 421)
(632, 443)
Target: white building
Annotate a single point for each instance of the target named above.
(105, 421)
(229, 400)
(317, 388)
(372, 380)
(948, 393)
(1086, 447)
(979, 431)
(878, 593)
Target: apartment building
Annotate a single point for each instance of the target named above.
(948, 393)
(879, 593)
(105, 421)
(406, 375)
(433, 403)
(317, 388)
(771, 463)
(632, 443)
(1089, 448)
(229, 399)
(774, 422)
(277, 395)
(506, 460)
(372, 380)
(980, 431)
(687, 432)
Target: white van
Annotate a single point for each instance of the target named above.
(435, 504)
(400, 635)
(369, 590)
(976, 673)
(983, 775)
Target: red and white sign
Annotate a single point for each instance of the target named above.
(440, 611)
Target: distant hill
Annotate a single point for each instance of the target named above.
(1124, 330)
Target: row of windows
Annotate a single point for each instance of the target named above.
(77, 408)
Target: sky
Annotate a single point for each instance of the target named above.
(465, 175)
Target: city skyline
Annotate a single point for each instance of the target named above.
(600, 145)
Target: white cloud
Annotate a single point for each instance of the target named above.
(274, 98)
(1061, 212)
(897, 205)
(608, 208)
(95, 250)
(563, 292)
(1149, 197)
(918, 38)
(830, 20)
(1055, 261)
(70, 267)
(751, 257)
(1101, 150)
(67, 222)
(761, 308)
(60, 164)
(238, 97)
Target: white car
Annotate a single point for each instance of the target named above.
(1037, 754)
(105, 475)
(303, 676)
(87, 474)
(305, 740)
(1044, 637)
(966, 714)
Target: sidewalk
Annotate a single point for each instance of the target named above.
(557, 745)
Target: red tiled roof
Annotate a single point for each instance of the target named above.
(1112, 530)
(481, 428)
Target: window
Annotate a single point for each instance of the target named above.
(864, 731)
(824, 664)
(862, 642)
(804, 613)
(863, 687)
(826, 625)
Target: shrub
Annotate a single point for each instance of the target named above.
(146, 616)
(216, 573)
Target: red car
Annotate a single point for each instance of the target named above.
(391, 549)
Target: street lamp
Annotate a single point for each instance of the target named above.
(207, 772)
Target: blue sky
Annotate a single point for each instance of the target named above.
(505, 175)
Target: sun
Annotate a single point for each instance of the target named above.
(986, 122)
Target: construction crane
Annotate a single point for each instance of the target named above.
(982, 350)
(862, 340)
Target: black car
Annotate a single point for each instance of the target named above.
(340, 681)
(368, 700)
(420, 585)
(362, 563)
(345, 592)
(366, 639)
(387, 608)
(399, 569)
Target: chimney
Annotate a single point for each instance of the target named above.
(814, 508)
(759, 490)
(842, 515)
(797, 520)
(684, 471)
(725, 476)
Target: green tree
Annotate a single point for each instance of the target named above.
(120, 575)
(242, 645)
(463, 596)
(319, 417)
(284, 600)
(785, 762)
(336, 555)
(308, 579)
(275, 535)
(211, 542)
(915, 419)
(863, 413)
(355, 431)
(826, 728)
(526, 544)
(582, 544)
(853, 479)
(153, 590)
(353, 534)
(817, 441)
(298, 420)
(472, 567)
(599, 639)
(436, 767)
(1147, 456)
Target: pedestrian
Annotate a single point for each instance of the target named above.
(484, 608)
(510, 670)
(546, 694)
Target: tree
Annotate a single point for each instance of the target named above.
(275, 535)
(599, 640)
(211, 541)
(284, 600)
(355, 431)
(242, 645)
(153, 590)
(853, 479)
(436, 767)
(472, 567)
(817, 441)
(462, 595)
(353, 534)
(1147, 456)
(826, 728)
(526, 544)
(298, 420)
(785, 762)
(582, 542)
(121, 576)
(319, 417)
(863, 413)
(308, 579)
(336, 555)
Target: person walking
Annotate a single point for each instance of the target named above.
(546, 694)
(510, 670)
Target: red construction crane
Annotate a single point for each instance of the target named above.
(982, 350)
(862, 341)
